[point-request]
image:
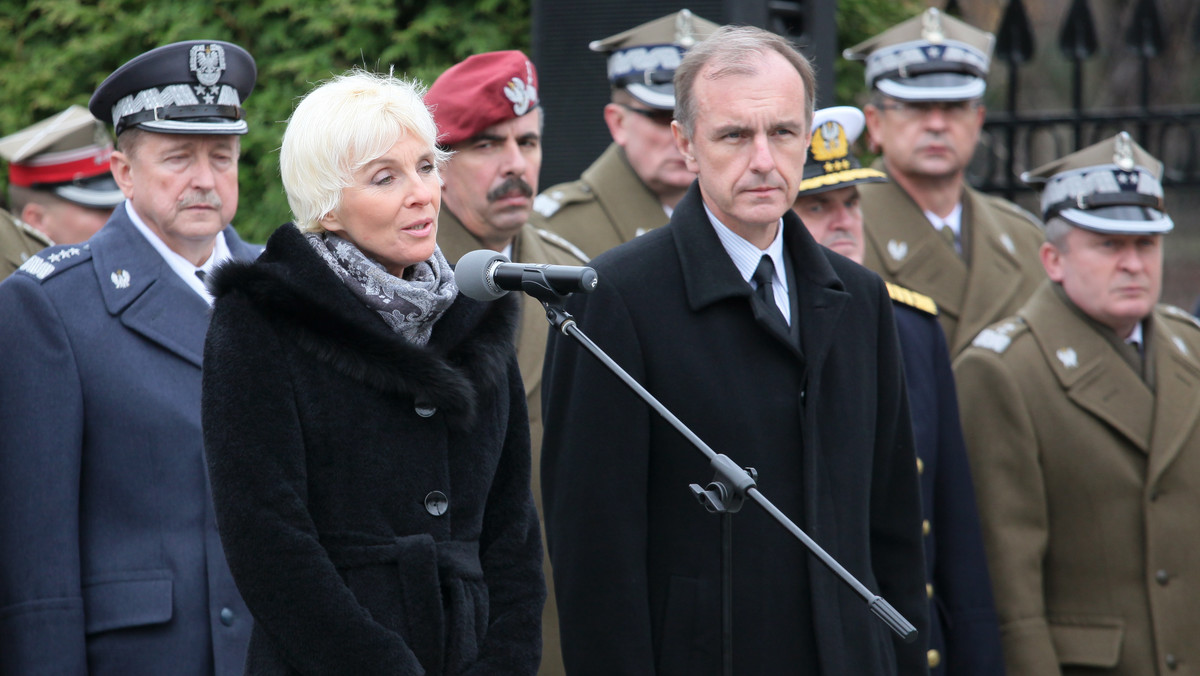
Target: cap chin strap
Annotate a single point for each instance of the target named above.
(646, 77)
(230, 113)
(917, 69)
(1101, 200)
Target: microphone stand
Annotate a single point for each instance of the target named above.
(728, 490)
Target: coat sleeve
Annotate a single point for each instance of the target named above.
(1010, 489)
(960, 569)
(897, 552)
(256, 457)
(511, 553)
(595, 457)
(42, 628)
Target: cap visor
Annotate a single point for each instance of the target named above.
(841, 179)
(656, 96)
(214, 126)
(100, 192)
(934, 87)
(1120, 220)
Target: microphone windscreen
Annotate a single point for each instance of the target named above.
(471, 274)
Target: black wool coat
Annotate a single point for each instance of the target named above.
(826, 424)
(372, 495)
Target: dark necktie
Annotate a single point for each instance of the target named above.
(762, 278)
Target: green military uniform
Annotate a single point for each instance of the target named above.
(607, 206)
(1088, 482)
(999, 271)
(17, 243)
(532, 245)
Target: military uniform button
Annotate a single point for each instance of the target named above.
(1162, 577)
(436, 503)
(1172, 661)
(925, 527)
(920, 466)
(929, 589)
(935, 658)
(227, 617)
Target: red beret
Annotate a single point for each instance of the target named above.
(484, 90)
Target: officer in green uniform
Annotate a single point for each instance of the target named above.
(59, 182)
(975, 255)
(1083, 426)
(487, 112)
(638, 180)
(17, 243)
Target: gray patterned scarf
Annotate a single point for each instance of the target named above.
(411, 305)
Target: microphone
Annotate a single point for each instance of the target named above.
(487, 275)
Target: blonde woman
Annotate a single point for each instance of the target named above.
(365, 424)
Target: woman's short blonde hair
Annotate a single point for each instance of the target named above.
(338, 128)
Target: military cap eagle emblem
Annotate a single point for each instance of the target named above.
(207, 62)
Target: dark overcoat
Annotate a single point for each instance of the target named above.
(825, 423)
(964, 634)
(110, 562)
(373, 495)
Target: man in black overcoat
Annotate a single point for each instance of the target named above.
(803, 382)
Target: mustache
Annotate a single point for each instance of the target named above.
(510, 185)
(208, 197)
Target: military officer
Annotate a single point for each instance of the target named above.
(59, 182)
(487, 112)
(18, 242)
(975, 255)
(636, 183)
(110, 562)
(964, 636)
(1083, 428)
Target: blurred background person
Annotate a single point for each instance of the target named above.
(1083, 428)
(110, 561)
(365, 425)
(975, 255)
(59, 179)
(964, 636)
(636, 183)
(488, 115)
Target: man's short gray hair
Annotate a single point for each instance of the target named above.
(730, 51)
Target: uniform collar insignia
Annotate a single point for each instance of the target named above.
(1067, 356)
(897, 250)
(120, 279)
(1180, 344)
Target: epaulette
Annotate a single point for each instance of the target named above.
(48, 262)
(562, 243)
(1180, 314)
(554, 198)
(998, 337)
(912, 299)
(30, 231)
(1015, 209)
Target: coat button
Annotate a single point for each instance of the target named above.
(929, 589)
(920, 466)
(935, 658)
(436, 503)
(1172, 661)
(925, 527)
(1162, 577)
(227, 617)
(425, 409)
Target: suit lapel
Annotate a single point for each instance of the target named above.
(709, 275)
(988, 290)
(1094, 376)
(149, 298)
(1178, 396)
(910, 250)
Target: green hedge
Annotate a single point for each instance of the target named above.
(58, 51)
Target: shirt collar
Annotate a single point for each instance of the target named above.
(180, 265)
